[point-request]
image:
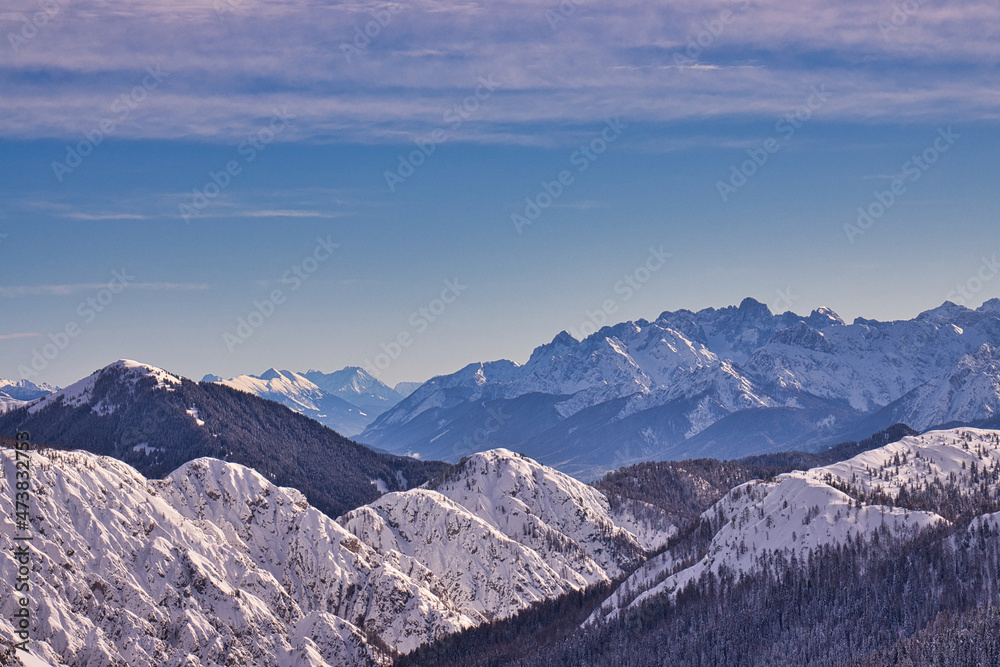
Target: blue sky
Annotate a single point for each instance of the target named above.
(203, 149)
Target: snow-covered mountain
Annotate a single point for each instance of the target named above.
(720, 383)
(25, 390)
(358, 387)
(797, 513)
(190, 565)
(157, 421)
(8, 403)
(347, 400)
(16, 394)
(216, 565)
(869, 364)
(504, 531)
(300, 394)
(404, 389)
(969, 393)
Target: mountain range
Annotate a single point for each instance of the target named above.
(889, 557)
(156, 421)
(721, 383)
(226, 528)
(216, 565)
(346, 400)
(17, 394)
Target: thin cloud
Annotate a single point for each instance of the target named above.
(230, 62)
(106, 216)
(18, 335)
(285, 214)
(14, 292)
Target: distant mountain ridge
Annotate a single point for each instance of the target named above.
(303, 396)
(721, 383)
(346, 400)
(15, 394)
(156, 421)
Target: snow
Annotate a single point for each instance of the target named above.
(215, 550)
(193, 411)
(300, 391)
(519, 497)
(714, 363)
(198, 556)
(80, 393)
(798, 512)
(502, 532)
(7, 403)
(968, 392)
(146, 449)
(297, 392)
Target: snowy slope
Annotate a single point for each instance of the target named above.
(798, 512)
(157, 421)
(969, 392)
(611, 376)
(300, 394)
(124, 372)
(486, 574)
(9, 403)
(216, 562)
(9, 655)
(547, 510)
(504, 531)
(213, 561)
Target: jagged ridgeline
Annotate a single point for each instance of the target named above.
(891, 556)
(156, 422)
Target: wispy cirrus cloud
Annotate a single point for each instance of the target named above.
(285, 213)
(229, 65)
(17, 291)
(93, 217)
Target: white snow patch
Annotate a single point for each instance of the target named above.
(193, 411)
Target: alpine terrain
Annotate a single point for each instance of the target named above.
(215, 565)
(714, 383)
